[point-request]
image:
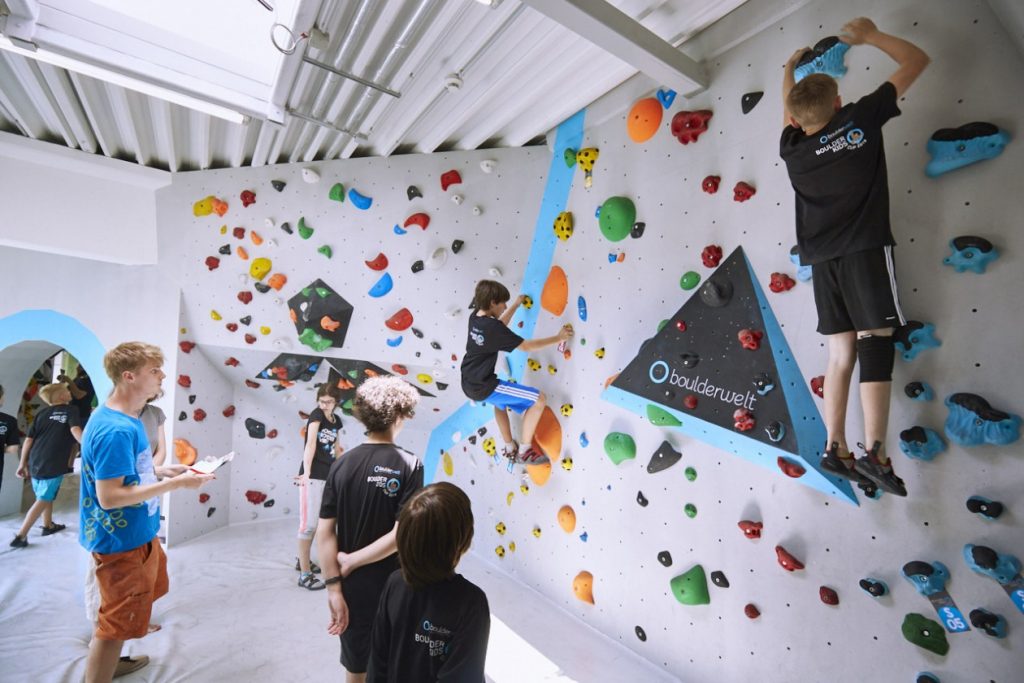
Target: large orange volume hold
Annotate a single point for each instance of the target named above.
(555, 295)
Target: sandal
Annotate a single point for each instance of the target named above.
(313, 566)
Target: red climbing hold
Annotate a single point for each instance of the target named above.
(250, 338)
(690, 402)
(248, 197)
(229, 411)
(751, 611)
(781, 283)
(186, 346)
(199, 415)
(790, 468)
(239, 233)
(245, 297)
(687, 126)
(203, 497)
(272, 434)
(232, 327)
(212, 262)
(450, 178)
(787, 561)
(255, 497)
(681, 325)
(818, 386)
(401, 320)
(379, 262)
(184, 381)
(711, 256)
(751, 529)
(399, 369)
(743, 419)
(750, 339)
(232, 361)
(420, 219)
(710, 184)
(742, 192)
(251, 384)
(828, 596)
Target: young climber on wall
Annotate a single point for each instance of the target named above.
(836, 161)
(489, 334)
(364, 493)
(322, 447)
(432, 624)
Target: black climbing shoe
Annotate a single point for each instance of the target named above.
(880, 474)
(19, 542)
(53, 528)
(841, 467)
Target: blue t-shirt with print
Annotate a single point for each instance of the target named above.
(115, 446)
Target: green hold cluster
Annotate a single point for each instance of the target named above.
(617, 217)
(660, 417)
(314, 340)
(691, 587)
(619, 447)
(923, 632)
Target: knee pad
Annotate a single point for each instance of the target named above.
(876, 356)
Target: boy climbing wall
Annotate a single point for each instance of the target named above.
(836, 161)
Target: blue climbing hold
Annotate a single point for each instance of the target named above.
(874, 587)
(666, 97)
(826, 57)
(919, 391)
(921, 443)
(926, 578)
(612, 258)
(360, 201)
(972, 422)
(953, 148)
(763, 383)
(584, 441)
(776, 431)
(581, 304)
(970, 253)
(985, 561)
(382, 287)
(395, 341)
(583, 537)
(914, 337)
(927, 677)
(399, 230)
(803, 273)
(597, 212)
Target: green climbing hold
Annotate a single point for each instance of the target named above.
(346, 407)
(326, 251)
(691, 587)
(305, 232)
(662, 324)
(337, 192)
(305, 291)
(321, 292)
(570, 157)
(353, 374)
(691, 510)
(619, 447)
(689, 280)
(691, 474)
(313, 340)
(923, 632)
(617, 217)
(660, 417)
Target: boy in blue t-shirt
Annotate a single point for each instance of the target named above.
(120, 506)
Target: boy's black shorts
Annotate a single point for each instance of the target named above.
(857, 292)
(362, 591)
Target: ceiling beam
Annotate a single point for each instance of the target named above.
(619, 34)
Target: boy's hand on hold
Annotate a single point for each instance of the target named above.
(192, 480)
(565, 333)
(858, 31)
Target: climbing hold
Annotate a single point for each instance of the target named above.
(249, 339)
(1004, 569)
(763, 383)
(750, 100)
(690, 509)
(925, 633)
(750, 339)
(500, 528)
(718, 578)
(360, 201)
(874, 587)
(953, 148)
(665, 557)
(711, 256)
(420, 219)
(305, 232)
(751, 611)
(261, 287)
(278, 185)
(583, 587)
(776, 431)
(238, 233)
(457, 246)
(248, 197)
(256, 429)
(424, 378)
(689, 280)
(641, 634)
(567, 464)
(599, 353)
(242, 253)
(555, 295)
(204, 497)
(818, 386)
(231, 361)
(970, 253)
(786, 560)
(203, 207)
(617, 217)
(586, 158)
(450, 178)
(310, 176)
(972, 421)
(527, 302)
(926, 578)
(287, 227)
(641, 499)
(255, 497)
(803, 273)
(919, 391)
(566, 409)
(567, 519)
(413, 192)
(781, 282)
(710, 183)
(259, 268)
(417, 266)
(488, 165)
(336, 193)
(328, 323)
(691, 587)
(185, 452)
(325, 250)
(619, 447)
(437, 259)
(638, 230)
(228, 411)
(989, 509)
(314, 340)
(400, 321)
(256, 239)
(828, 595)
(826, 57)
(232, 327)
(690, 474)
(660, 417)
(926, 677)
(992, 624)
(186, 346)
(581, 307)
(743, 419)
(921, 443)
(198, 414)
(914, 337)
(666, 97)
(664, 457)
(584, 441)
(742, 191)
(751, 529)
(790, 468)
(563, 225)
(212, 262)
(716, 292)
(184, 381)
(533, 364)
(687, 126)
(643, 119)
(251, 384)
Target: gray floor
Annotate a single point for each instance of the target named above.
(234, 613)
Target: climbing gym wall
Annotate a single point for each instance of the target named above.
(684, 515)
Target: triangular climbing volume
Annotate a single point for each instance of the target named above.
(697, 369)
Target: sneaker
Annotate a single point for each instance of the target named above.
(310, 582)
(53, 528)
(880, 474)
(313, 567)
(19, 542)
(531, 456)
(127, 665)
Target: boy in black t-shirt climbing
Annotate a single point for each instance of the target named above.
(836, 161)
(489, 334)
(432, 624)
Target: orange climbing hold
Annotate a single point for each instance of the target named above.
(242, 253)
(400, 321)
(277, 281)
(539, 474)
(643, 119)
(185, 452)
(256, 239)
(567, 519)
(555, 295)
(548, 437)
(583, 587)
(329, 324)
(220, 207)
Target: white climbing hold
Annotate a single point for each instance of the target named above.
(437, 259)
(268, 223)
(457, 198)
(310, 176)
(453, 313)
(456, 437)
(477, 211)
(488, 165)
(494, 271)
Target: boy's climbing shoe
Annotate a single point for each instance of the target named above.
(880, 474)
(310, 582)
(19, 542)
(510, 450)
(53, 528)
(531, 456)
(127, 665)
(841, 467)
(313, 567)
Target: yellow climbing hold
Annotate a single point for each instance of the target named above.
(204, 207)
(512, 546)
(259, 268)
(424, 378)
(500, 551)
(524, 488)
(447, 464)
(509, 497)
(215, 315)
(536, 532)
(586, 158)
(500, 528)
(264, 330)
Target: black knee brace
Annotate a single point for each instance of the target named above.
(876, 356)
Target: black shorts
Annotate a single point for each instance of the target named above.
(857, 292)
(362, 591)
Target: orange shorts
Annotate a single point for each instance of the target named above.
(129, 584)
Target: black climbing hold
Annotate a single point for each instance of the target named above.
(979, 406)
(665, 557)
(918, 568)
(417, 266)
(482, 431)
(278, 184)
(225, 250)
(412, 192)
(663, 458)
(416, 333)
(913, 389)
(971, 241)
(689, 360)
(763, 383)
(776, 431)
(472, 439)
(287, 227)
(278, 387)
(668, 394)
(984, 557)
(262, 288)
(992, 624)
(182, 416)
(926, 677)
(641, 634)
(209, 513)
(191, 399)
(256, 429)
(638, 230)
(716, 292)
(418, 354)
(718, 578)
(750, 100)
(820, 48)
(641, 501)
(977, 129)
(269, 503)
(441, 386)
(457, 246)
(875, 588)
(435, 345)
(245, 320)
(985, 507)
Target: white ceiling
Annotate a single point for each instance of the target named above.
(522, 75)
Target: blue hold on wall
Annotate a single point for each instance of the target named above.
(826, 57)
(972, 422)
(970, 253)
(921, 443)
(953, 148)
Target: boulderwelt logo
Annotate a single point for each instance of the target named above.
(846, 137)
(436, 645)
(381, 480)
(660, 372)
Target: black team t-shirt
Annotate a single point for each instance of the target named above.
(840, 179)
(437, 633)
(9, 436)
(323, 456)
(52, 441)
(487, 336)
